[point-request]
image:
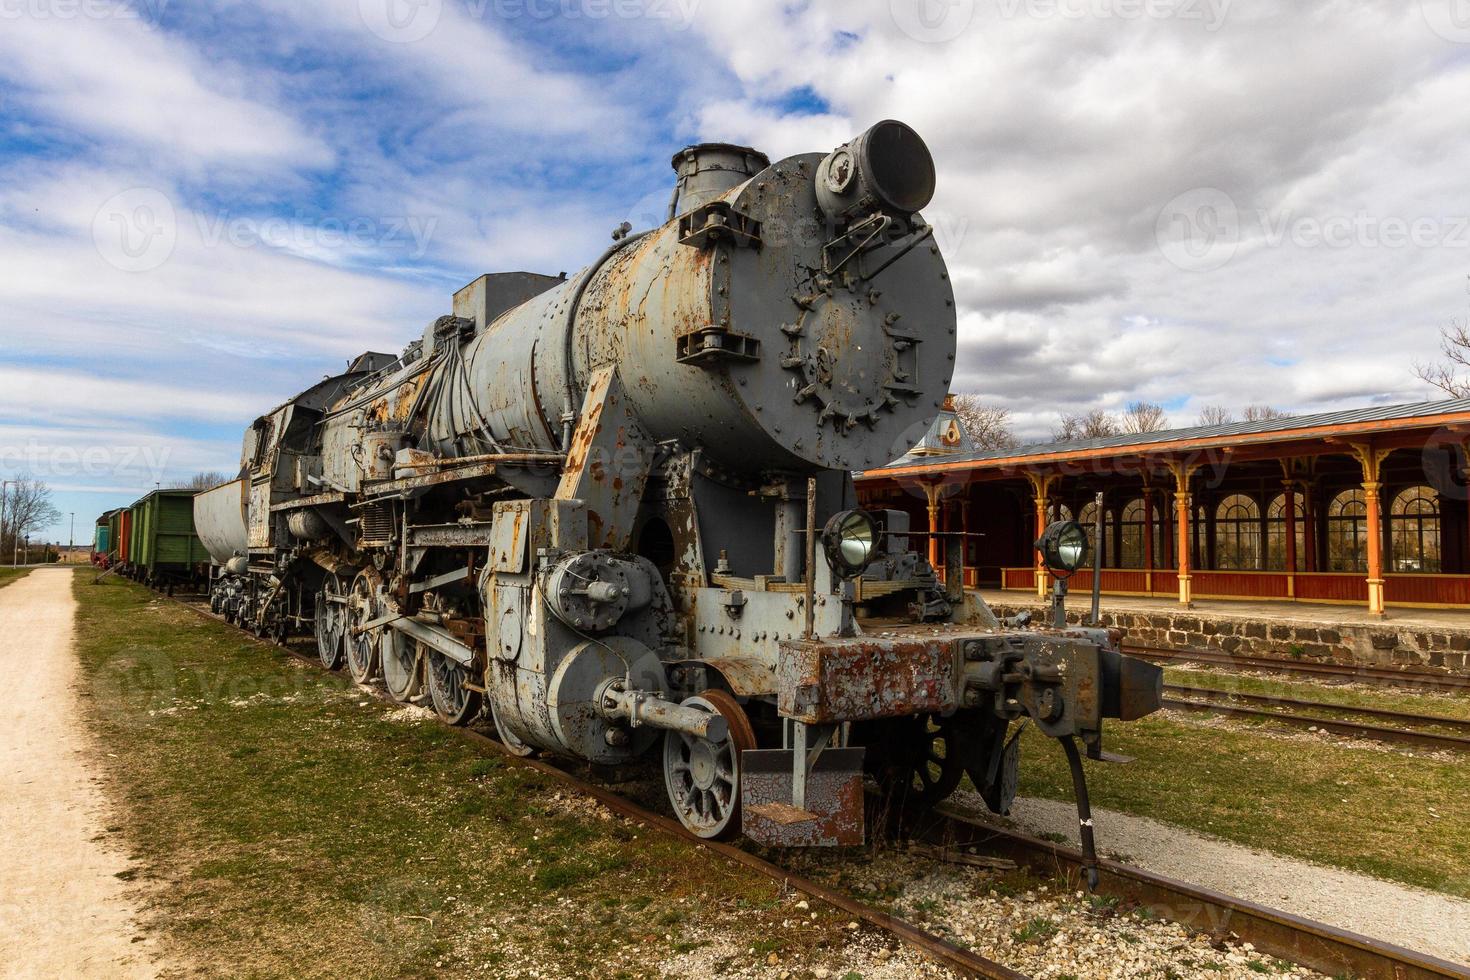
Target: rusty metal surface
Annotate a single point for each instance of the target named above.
(747, 676)
(1333, 951)
(863, 678)
(833, 816)
(608, 462)
(315, 500)
(457, 474)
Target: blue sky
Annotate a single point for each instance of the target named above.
(206, 206)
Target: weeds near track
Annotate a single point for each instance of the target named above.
(289, 824)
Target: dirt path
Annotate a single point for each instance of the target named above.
(63, 911)
(1413, 917)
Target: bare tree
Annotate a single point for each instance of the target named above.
(1096, 424)
(988, 426)
(1215, 415)
(1261, 413)
(207, 480)
(28, 510)
(1142, 417)
(1454, 342)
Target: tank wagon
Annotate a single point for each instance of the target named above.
(615, 512)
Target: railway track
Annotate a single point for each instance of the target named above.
(1408, 728)
(1327, 949)
(955, 957)
(1418, 679)
(1316, 945)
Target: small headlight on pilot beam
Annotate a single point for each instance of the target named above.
(850, 540)
(1063, 546)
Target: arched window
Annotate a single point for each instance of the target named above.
(1238, 533)
(1276, 532)
(1347, 532)
(1133, 527)
(1414, 521)
(1088, 519)
(1059, 512)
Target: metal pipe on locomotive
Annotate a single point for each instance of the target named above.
(591, 507)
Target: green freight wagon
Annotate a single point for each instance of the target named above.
(164, 550)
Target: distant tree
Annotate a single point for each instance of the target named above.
(207, 480)
(1142, 417)
(988, 426)
(28, 510)
(1261, 413)
(1450, 376)
(1095, 424)
(1215, 415)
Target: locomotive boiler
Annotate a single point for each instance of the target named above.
(614, 512)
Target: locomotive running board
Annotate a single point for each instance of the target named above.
(833, 816)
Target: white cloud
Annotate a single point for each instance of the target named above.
(123, 79)
(1059, 137)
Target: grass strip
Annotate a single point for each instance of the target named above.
(297, 826)
(1383, 813)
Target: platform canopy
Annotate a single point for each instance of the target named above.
(1367, 506)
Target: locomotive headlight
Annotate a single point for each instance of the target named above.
(1063, 546)
(850, 540)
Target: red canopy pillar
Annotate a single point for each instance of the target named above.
(1041, 484)
(1148, 538)
(1183, 511)
(931, 497)
(964, 540)
(1309, 534)
(1290, 514)
(1371, 460)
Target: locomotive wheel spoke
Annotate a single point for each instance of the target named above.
(913, 761)
(362, 648)
(703, 777)
(452, 700)
(331, 626)
(400, 662)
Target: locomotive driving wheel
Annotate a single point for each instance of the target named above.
(453, 700)
(914, 760)
(508, 738)
(362, 607)
(703, 776)
(400, 661)
(331, 622)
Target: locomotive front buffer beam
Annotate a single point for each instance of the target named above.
(810, 792)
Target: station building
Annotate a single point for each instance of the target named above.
(1365, 508)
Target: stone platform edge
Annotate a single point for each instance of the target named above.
(1437, 649)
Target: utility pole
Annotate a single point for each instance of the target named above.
(4, 485)
(71, 544)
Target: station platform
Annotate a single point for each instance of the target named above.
(1410, 638)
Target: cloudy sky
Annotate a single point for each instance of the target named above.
(206, 205)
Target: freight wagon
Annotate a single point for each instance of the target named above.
(119, 534)
(102, 539)
(162, 548)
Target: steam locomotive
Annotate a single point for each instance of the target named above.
(614, 512)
